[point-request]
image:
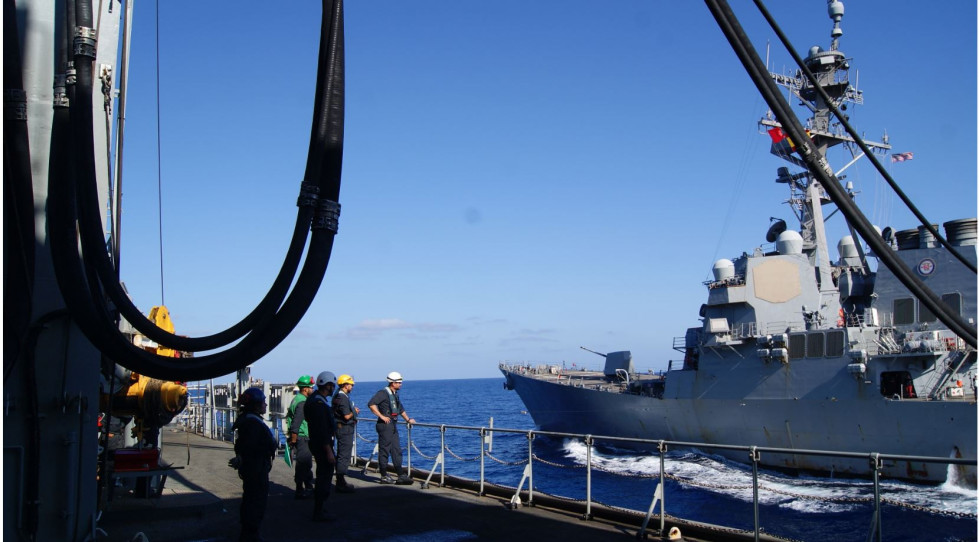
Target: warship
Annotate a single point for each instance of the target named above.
(796, 351)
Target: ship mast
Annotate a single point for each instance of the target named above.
(832, 71)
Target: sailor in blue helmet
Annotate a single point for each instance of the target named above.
(254, 449)
(322, 430)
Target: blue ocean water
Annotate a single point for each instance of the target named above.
(719, 492)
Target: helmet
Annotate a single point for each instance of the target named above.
(394, 376)
(345, 379)
(251, 398)
(325, 378)
(305, 381)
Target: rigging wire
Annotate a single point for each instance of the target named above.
(159, 158)
(856, 137)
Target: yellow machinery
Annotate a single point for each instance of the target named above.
(151, 402)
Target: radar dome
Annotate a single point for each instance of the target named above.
(789, 242)
(723, 269)
(848, 250)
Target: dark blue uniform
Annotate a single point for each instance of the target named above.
(322, 430)
(388, 440)
(255, 446)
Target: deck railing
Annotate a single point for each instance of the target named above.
(483, 435)
(207, 421)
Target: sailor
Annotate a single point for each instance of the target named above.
(254, 449)
(345, 413)
(322, 429)
(299, 438)
(386, 405)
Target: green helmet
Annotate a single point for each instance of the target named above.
(305, 381)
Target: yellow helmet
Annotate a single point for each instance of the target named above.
(345, 379)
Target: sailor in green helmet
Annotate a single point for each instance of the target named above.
(299, 438)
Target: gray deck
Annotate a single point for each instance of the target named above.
(200, 502)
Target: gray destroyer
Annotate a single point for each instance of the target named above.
(798, 351)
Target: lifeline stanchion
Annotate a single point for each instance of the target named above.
(409, 450)
(755, 457)
(442, 470)
(658, 495)
(482, 458)
(588, 445)
(530, 467)
(875, 524)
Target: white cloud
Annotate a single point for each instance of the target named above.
(373, 328)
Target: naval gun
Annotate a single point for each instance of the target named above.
(617, 364)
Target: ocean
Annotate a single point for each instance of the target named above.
(714, 490)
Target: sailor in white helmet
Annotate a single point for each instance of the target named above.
(387, 406)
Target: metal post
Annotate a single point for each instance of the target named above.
(210, 402)
(875, 522)
(399, 444)
(755, 457)
(530, 468)
(662, 488)
(490, 436)
(482, 458)
(442, 451)
(588, 445)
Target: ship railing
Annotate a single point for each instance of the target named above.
(483, 438)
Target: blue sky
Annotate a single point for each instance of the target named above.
(519, 178)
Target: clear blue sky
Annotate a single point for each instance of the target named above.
(519, 178)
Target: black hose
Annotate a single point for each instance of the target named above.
(818, 166)
(859, 140)
(93, 242)
(87, 307)
(18, 199)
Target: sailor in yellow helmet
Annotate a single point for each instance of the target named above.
(345, 413)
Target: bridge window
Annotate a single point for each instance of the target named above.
(815, 345)
(953, 302)
(834, 343)
(797, 346)
(904, 311)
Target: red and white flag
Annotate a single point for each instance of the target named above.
(902, 156)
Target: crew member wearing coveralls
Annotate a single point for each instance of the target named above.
(345, 413)
(299, 438)
(386, 405)
(254, 449)
(322, 429)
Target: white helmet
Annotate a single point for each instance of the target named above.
(394, 376)
(325, 378)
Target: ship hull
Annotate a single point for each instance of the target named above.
(857, 425)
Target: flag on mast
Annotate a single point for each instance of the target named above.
(902, 156)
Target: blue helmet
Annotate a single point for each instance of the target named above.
(251, 398)
(324, 378)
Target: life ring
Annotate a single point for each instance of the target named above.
(841, 320)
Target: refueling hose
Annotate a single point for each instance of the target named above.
(269, 323)
(818, 166)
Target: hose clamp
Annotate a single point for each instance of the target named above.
(327, 216)
(309, 194)
(60, 97)
(15, 104)
(71, 75)
(85, 42)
